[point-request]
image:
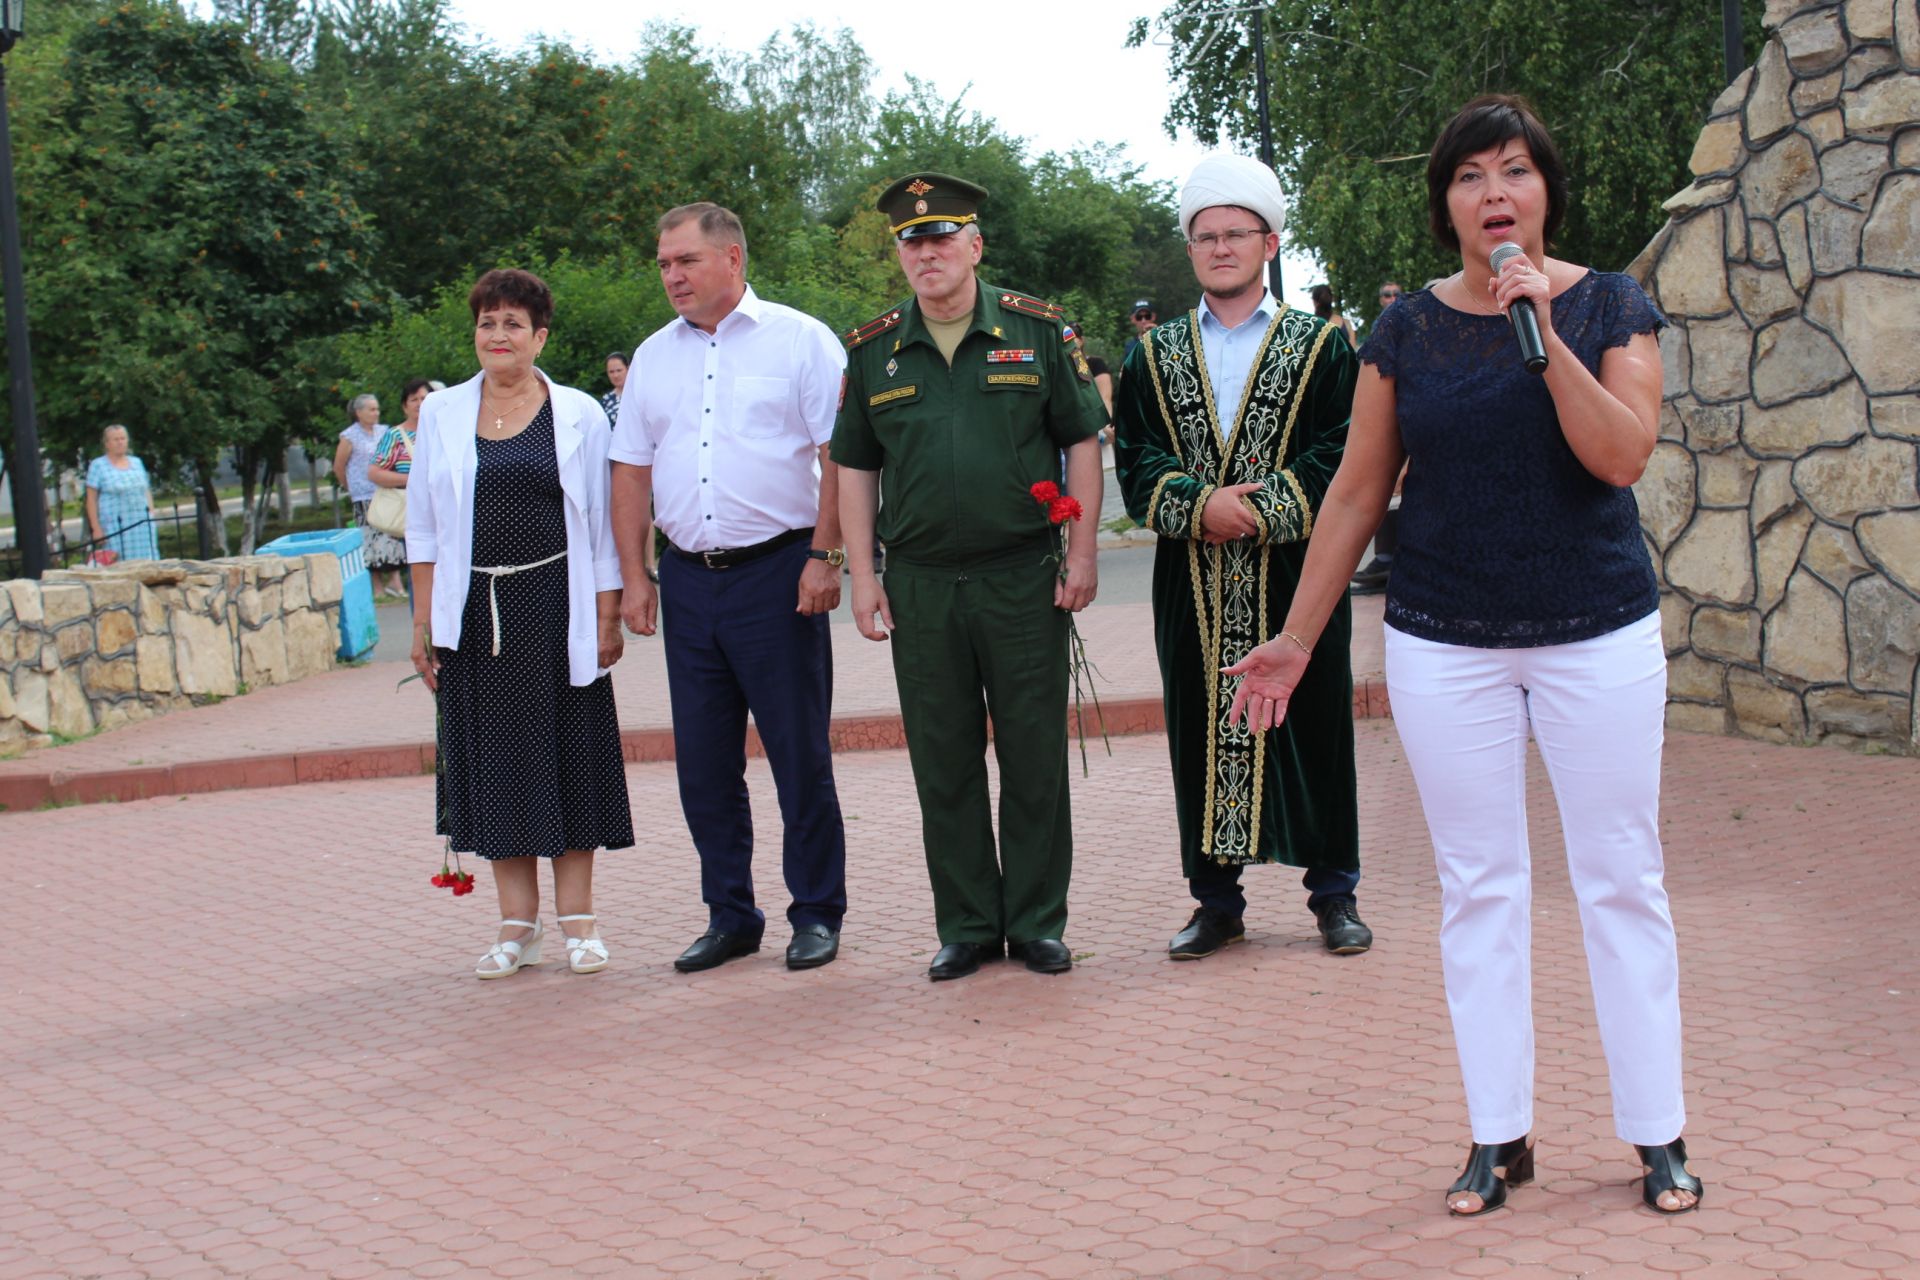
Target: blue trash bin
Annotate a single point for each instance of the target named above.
(359, 625)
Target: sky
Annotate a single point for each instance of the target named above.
(1057, 75)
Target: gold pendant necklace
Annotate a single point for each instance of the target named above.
(499, 418)
(1468, 291)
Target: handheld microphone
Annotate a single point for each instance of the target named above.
(1526, 324)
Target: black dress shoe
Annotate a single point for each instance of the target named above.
(1341, 928)
(1208, 931)
(715, 948)
(1043, 955)
(813, 945)
(958, 959)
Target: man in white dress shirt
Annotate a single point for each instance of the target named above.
(722, 434)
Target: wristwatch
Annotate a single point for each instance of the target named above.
(834, 556)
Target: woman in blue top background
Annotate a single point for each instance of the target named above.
(1521, 600)
(120, 499)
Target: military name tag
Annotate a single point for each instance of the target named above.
(1013, 379)
(1011, 355)
(887, 397)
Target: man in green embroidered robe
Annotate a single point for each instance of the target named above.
(1230, 425)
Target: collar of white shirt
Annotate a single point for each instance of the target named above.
(1267, 309)
(747, 309)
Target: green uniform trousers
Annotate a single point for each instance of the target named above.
(959, 634)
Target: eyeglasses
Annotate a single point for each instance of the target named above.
(1389, 293)
(1143, 315)
(1234, 238)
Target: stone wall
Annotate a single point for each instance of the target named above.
(1781, 502)
(90, 649)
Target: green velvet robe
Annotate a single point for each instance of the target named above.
(1287, 795)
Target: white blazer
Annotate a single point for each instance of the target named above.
(440, 512)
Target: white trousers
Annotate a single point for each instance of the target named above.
(1597, 709)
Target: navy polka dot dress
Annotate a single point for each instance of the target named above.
(531, 764)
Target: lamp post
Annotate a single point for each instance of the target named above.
(1733, 51)
(29, 488)
(1257, 19)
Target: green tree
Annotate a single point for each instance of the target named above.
(597, 307)
(188, 234)
(815, 91)
(1361, 87)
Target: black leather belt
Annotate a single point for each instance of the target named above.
(728, 557)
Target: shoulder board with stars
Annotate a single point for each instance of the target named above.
(873, 328)
(1036, 307)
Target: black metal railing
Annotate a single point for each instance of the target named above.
(176, 533)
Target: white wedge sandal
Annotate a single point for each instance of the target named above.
(504, 959)
(584, 955)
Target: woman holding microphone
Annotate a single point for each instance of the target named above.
(508, 536)
(1521, 600)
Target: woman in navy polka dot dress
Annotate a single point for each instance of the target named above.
(508, 536)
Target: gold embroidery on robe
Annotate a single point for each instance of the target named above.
(1230, 579)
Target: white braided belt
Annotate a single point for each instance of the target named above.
(493, 599)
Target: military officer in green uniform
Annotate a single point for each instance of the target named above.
(957, 402)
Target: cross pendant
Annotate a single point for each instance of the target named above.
(499, 424)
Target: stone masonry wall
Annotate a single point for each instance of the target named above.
(1781, 502)
(90, 649)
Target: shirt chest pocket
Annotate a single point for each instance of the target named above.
(760, 406)
(1016, 380)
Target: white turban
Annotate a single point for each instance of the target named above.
(1240, 181)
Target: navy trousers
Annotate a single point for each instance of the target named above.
(1219, 887)
(735, 644)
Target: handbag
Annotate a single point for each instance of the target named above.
(388, 512)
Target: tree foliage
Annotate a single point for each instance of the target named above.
(188, 231)
(1360, 88)
(236, 223)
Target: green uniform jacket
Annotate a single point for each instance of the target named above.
(959, 448)
(1287, 795)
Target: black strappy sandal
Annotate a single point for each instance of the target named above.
(1490, 1171)
(1666, 1170)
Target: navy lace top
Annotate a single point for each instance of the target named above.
(1506, 540)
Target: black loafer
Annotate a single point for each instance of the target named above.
(1341, 928)
(1043, 955)
(958, 959)
(1208, 931)
(813, 945)
(715, 948)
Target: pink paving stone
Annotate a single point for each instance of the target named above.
(859, 1108)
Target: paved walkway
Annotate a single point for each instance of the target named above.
(240, 1041)
(361, 722)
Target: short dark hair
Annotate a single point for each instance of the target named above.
(621, 356)
(718, 224)
(413, 385)
(1481, 125)
(512, 287)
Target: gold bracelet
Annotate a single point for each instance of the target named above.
(1304, 647)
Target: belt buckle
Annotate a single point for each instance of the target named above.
(707, 558)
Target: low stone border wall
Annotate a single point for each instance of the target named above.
(87, 649)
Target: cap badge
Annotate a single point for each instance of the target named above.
(920, 187)
(919, 206)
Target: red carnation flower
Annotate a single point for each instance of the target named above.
(1063, 509)
(1045, 492)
